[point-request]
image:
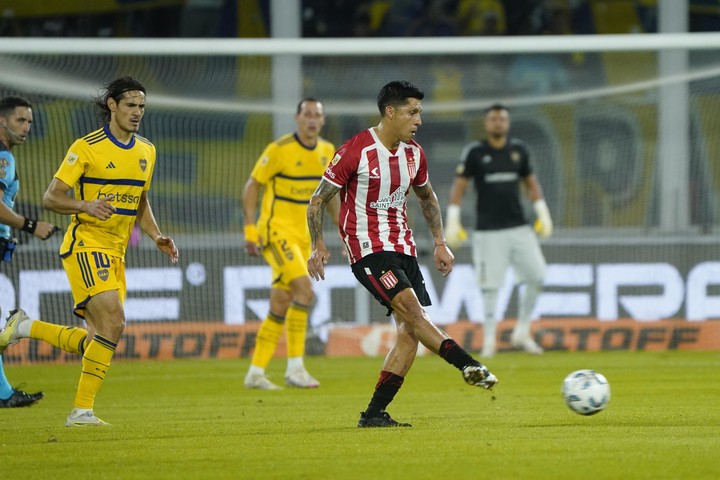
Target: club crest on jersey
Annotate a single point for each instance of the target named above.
(515, 156)
(486, 159)
(143, 164)
(389, 280)
(71, 158)
(411, 165)
(103, 274)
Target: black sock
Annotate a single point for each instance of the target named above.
(455, 355)
(385, 390)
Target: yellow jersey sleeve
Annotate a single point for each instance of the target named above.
(75, 165)
(268, 165)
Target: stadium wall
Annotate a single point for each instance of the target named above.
(621, 296)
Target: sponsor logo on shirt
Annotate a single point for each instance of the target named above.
(394, 200)
(302, 192)
(501, 177)
(486, 159)
(121, 197)
(515, 156)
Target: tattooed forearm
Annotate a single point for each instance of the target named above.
(316, 210)
(431, 210)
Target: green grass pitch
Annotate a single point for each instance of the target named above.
(193, 419)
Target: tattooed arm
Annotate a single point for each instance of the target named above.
(430, 207)
(315, 213)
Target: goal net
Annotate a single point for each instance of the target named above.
(622, 132)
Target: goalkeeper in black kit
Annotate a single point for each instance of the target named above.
(503, 237)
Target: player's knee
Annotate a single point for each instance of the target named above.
(116, 324)
(304, 297)
(302, 291)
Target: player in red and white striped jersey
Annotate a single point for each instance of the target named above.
(374, 183)
(374, 171)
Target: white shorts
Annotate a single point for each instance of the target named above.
(496, 250)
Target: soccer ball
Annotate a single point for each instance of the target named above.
(586, 392)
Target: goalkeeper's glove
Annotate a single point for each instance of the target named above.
(455, 234)
(543, 222)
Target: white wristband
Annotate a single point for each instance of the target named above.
(541, 209)
(453, 213)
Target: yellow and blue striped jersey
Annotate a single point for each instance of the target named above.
(98, 165)
(290, 173)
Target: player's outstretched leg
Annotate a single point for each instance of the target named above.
(474, 372)
(19, 325)
(11, 334)
(13, 397)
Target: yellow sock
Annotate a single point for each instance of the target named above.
(297, 320)
(70, 339)
(95, 364)
(267, 339)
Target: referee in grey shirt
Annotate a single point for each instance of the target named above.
(503, 236)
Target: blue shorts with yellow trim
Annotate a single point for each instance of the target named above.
(288, 259)
(90, 273)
